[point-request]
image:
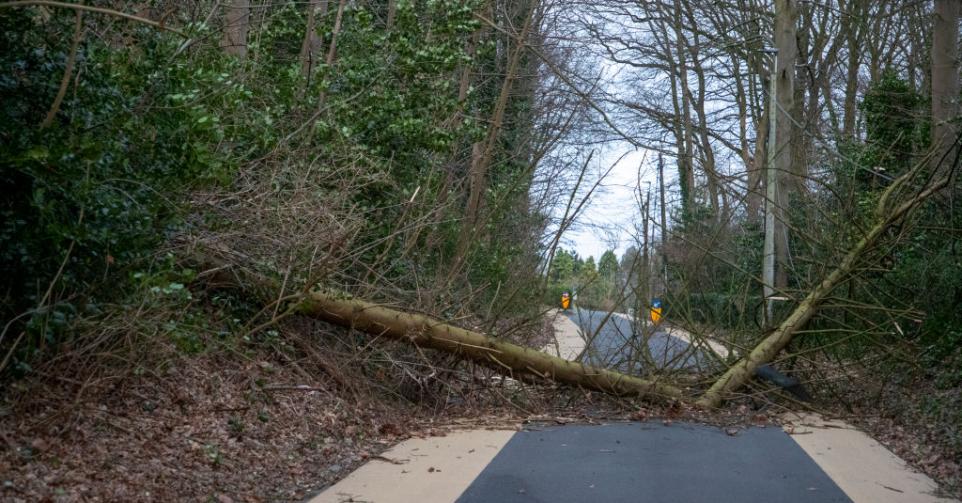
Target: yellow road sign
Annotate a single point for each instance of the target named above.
(655, 310)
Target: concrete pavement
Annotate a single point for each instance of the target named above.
(569, 341)
(422, 470)
(861, 466)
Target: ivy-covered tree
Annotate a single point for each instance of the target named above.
(892, 126)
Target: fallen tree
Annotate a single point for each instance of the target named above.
(515, 360)
(222, 270)
(766, 350)
(427, 332)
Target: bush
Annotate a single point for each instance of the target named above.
(97, 190)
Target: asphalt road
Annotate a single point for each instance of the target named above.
(650, 462)
(614, 346)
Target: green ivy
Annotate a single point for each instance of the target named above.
(100, 188)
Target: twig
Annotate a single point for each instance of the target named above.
(101, 10)
(67, 72)
(293, 388)
(389, 460)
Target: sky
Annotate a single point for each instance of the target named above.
(608, 220)
(607, 223)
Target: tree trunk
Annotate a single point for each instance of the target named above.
(663, 273)
(756, 170)
(945, 76)
(686, 175)
(391, 14)
(311, 46)
(328, 61)
(786, 15)
(338, 18)
(800, 65)
(483, 152)
(427, 332)
(852, 30)
(715, 191)
(236, 26)
(753, 168)
(718, 198)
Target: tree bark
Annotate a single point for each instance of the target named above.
(391, 14)
(718, 198)
(786, 16)
(67, 71)
(945, 76)
(853, 28)
(427, 332)
(338, 18)
(753, 168)
(686, 175)
(329, 61)
(483, 152)
(311, 46)
(236, 26)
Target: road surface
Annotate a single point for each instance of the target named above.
(614, 345)
(652, 463)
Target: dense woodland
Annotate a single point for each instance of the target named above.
(178, 174)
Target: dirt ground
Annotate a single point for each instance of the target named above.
(205, 431)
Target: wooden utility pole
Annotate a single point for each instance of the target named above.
(888, 214)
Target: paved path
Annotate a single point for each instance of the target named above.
(639, 462)
(569, 340)
(422, 470)
(613, 344)
(653, 463)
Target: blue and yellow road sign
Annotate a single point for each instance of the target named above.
(655, 310)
